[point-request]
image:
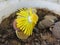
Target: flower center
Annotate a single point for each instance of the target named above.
(29, 19)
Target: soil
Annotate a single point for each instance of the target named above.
(42, 35)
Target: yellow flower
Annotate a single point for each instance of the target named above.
(26, 20)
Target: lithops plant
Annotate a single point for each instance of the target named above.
(56, 30)
(48, 21)
(25, 22)
(45, 24)
(51, 17)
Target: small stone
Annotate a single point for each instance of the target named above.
(0, 35)
(43, 43)
(33, 43)
(36, 43)
(56, 30)
(4, 36)
(48, 37)
(2, 40)
(14, 42)
(27, 44)
(6, 42)
(36, 40)
(31, 38)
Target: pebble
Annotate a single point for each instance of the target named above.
(14, 42)
(33, 43)
(2, 40)
(27, 44)
(6, 42)
(0, 35)
(36, 43)
(48, 37)
(43, 43)
(4, 36)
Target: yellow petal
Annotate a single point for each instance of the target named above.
(23, 22)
